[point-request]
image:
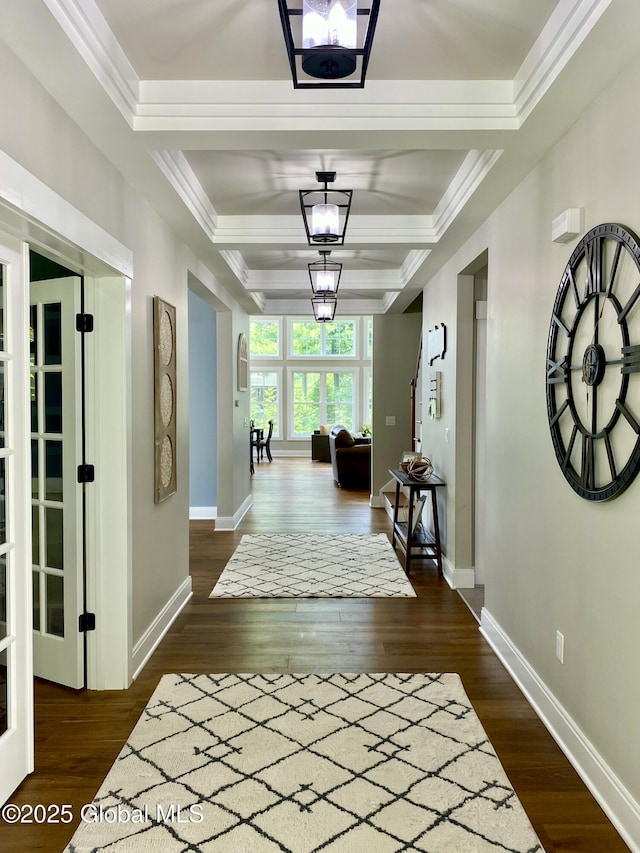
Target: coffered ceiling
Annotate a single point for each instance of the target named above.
(461, 100)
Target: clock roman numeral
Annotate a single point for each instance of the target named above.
(614, 268)
(574, 286)
(555, 319)
(610, 456)
(632, 301)
(635, 426)
(593, 260)
(588, 462)
(556, 371)
(559, 413)
(569, 451)
(631, 359)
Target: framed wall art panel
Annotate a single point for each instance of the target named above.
(165, 397)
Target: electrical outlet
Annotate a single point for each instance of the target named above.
(446, 435)
(560, 646)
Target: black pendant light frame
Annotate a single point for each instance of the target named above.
(324, 195)
(324, 265)
(330, 62)
(317, 301)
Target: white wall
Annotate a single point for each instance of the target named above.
(553, 560)
(396, 340)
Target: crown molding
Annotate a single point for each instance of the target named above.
(176, 169)
(352, 280)
(244, 105)
(89, 32)
(568, 26)
(238, 267)
(302, 307)
(474, 169)
(412, 264)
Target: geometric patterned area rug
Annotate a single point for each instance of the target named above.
(307, 764)
(301, 565)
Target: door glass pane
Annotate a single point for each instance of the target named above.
(53, 464)
(35, 469)
(3, 596)
(34, 401)
(52, 318)
(2, 371)
(3, 507)
(35, 535)
(4, 693)
(33, 335)
(53, 402)
(55, 612)
(36, 601)
(53, 528)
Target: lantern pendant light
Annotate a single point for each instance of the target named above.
(324, 308)
(325, 211)
(331, 47)
(324, 275)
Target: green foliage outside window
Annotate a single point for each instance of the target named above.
(306, 338)
(264, 338)
(306, 402)
(339, 394)
(322, 398)
(264, 398)
(340, 338)
(328, 339)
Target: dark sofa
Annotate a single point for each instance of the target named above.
(351, 461)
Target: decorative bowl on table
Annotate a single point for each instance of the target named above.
(419, 468)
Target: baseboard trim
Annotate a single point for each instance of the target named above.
(458, 578)
(203, 512)
(149, 641)
(616, 801)
(231, 522)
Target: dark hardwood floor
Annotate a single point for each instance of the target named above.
(78, 735)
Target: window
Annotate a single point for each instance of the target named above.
(321, 397)
(265, 399)
(325, 340)
(265, 338)
(369, 337)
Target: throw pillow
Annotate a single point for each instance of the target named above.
(344, 439)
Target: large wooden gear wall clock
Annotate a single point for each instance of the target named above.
(593, 364)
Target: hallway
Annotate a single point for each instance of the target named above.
(78, 735)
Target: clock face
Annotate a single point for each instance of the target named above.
(593, 364)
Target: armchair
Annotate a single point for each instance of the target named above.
(351, 462)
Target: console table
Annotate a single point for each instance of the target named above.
(421, 539)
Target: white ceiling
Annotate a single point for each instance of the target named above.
(462, 98)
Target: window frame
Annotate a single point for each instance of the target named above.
(277, 425)
(263, 321)
(354, 356)
(323, 371)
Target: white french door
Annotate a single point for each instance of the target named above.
(16, 661)
(56, 496)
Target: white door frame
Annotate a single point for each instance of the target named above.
(33, 212)
(16, 743)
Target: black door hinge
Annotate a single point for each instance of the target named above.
(86, 473)
(87, 622)
(84, 322)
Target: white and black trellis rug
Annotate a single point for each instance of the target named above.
(301, 565)
(307, 764)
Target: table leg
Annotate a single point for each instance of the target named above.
(407, 565)
(395, 515)
(436, 530)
